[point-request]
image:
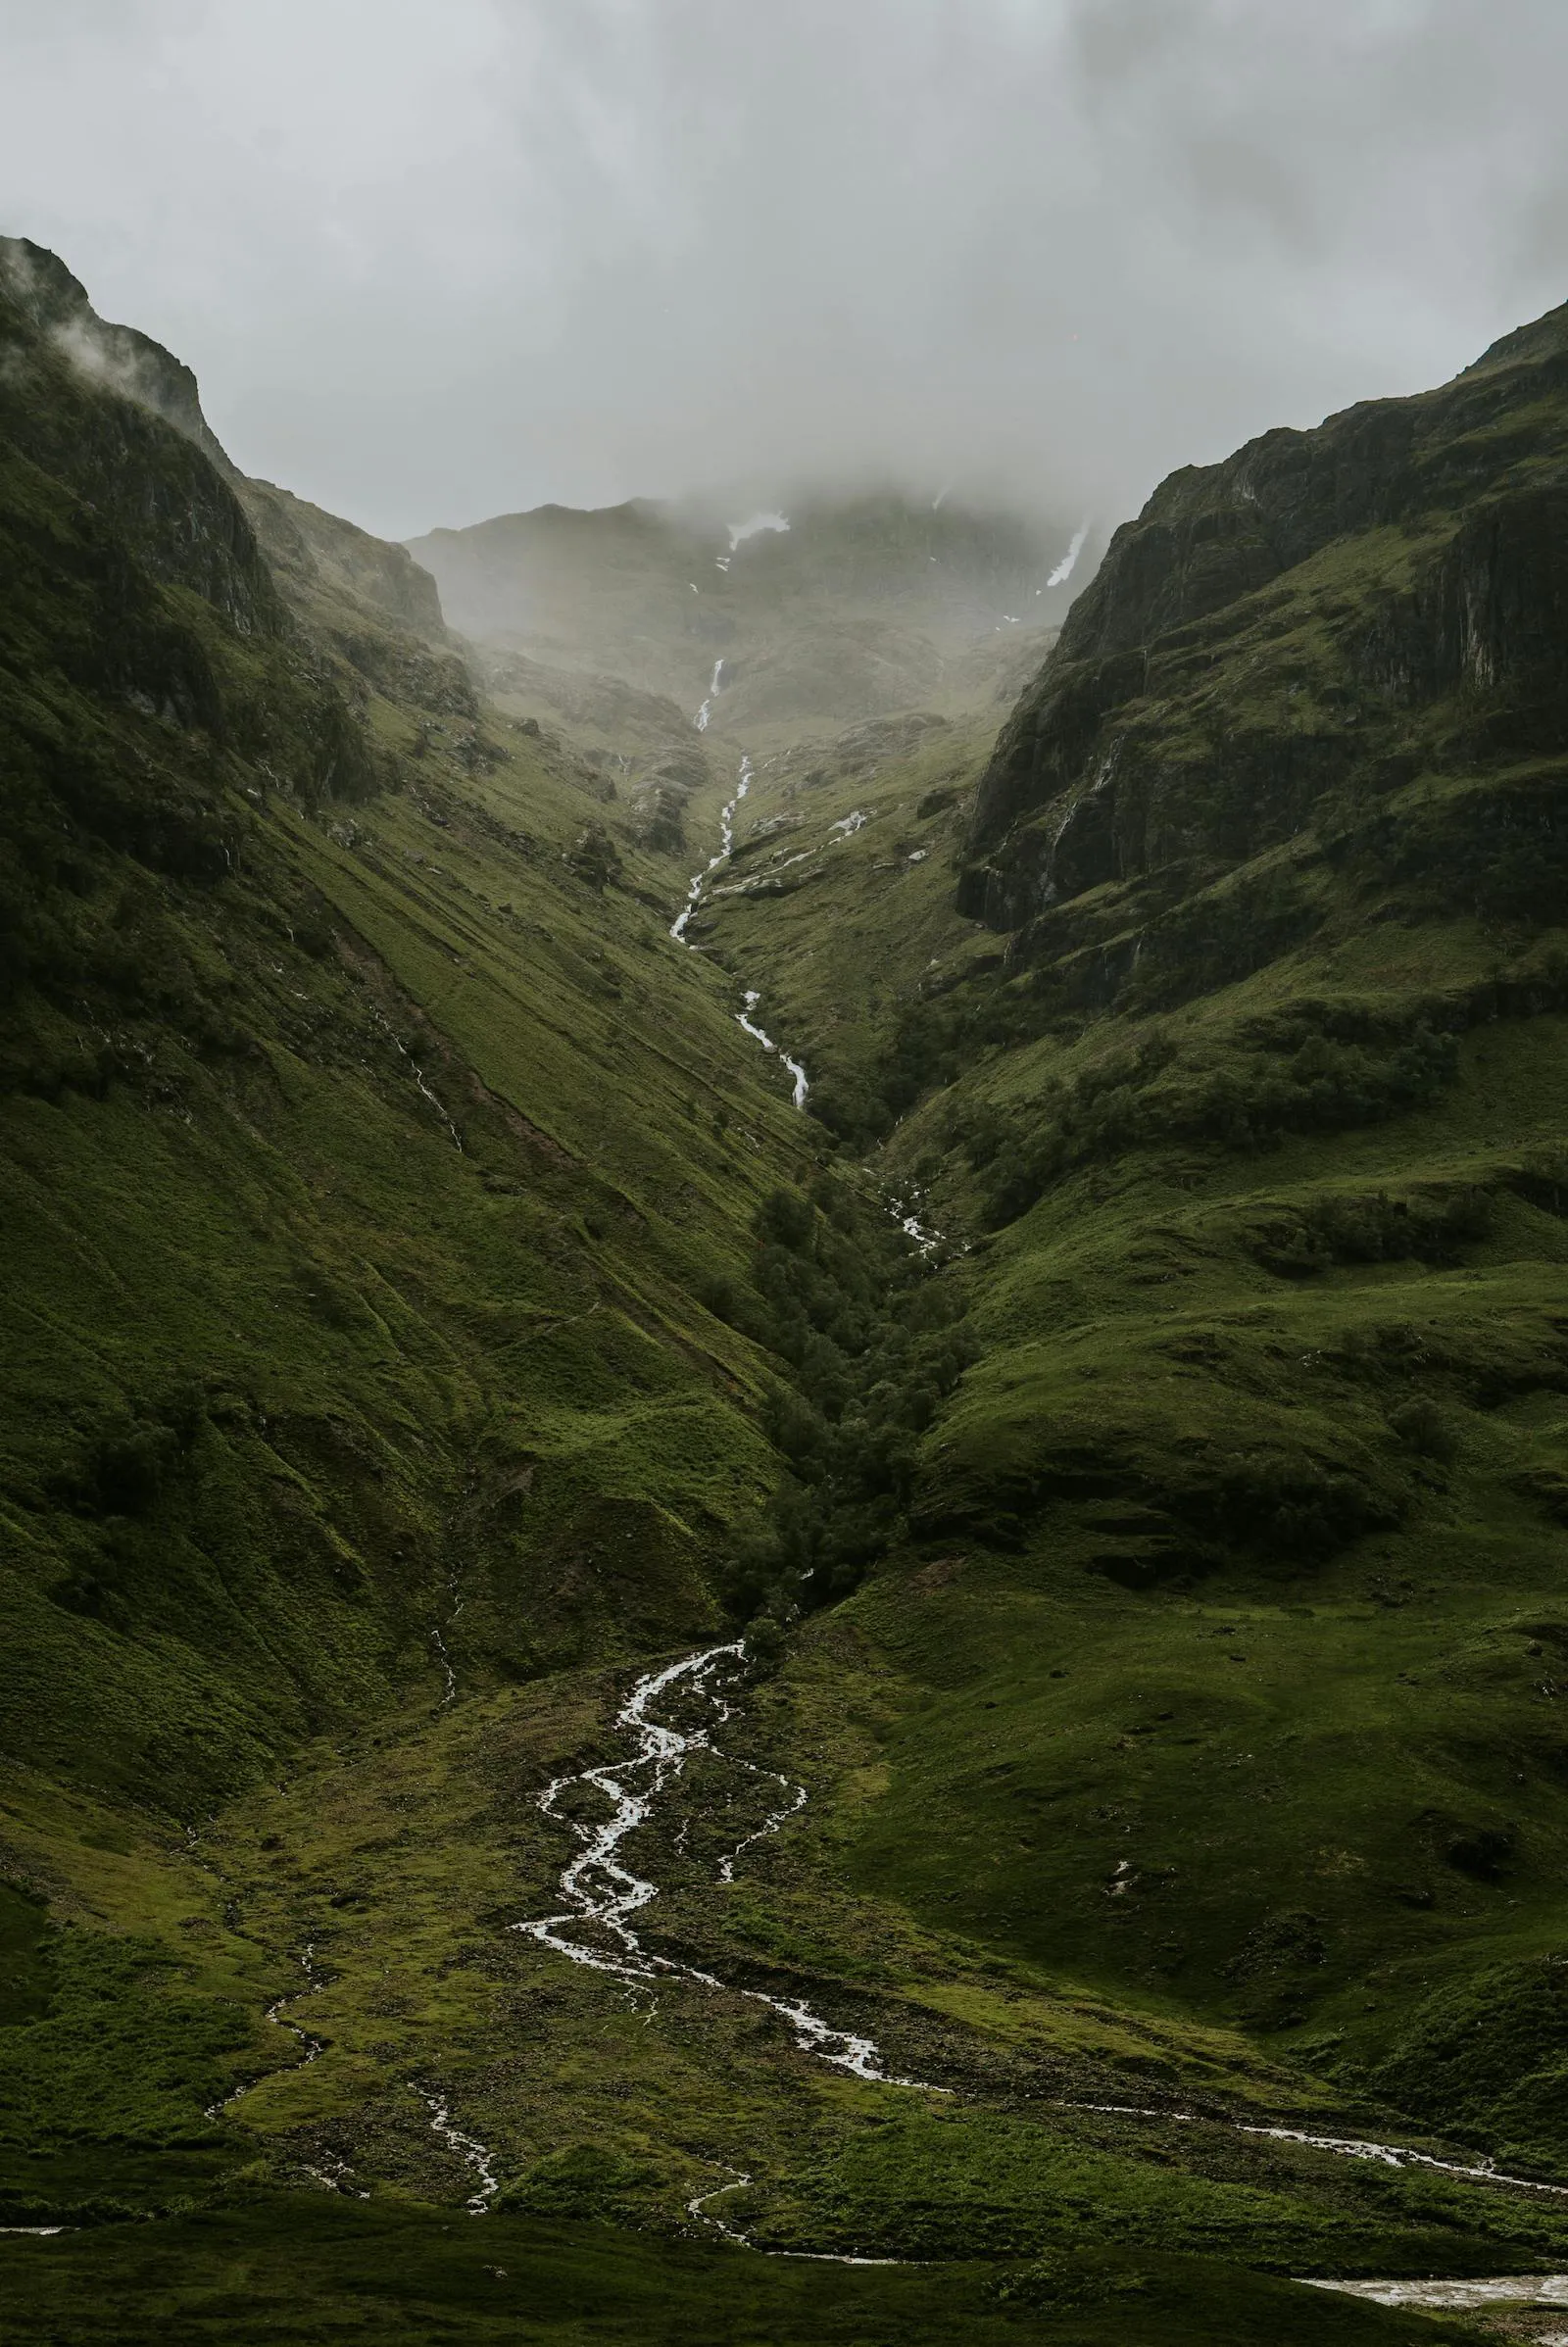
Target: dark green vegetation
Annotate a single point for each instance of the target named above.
(423, 1310)
(362, 1154)
(1245, 1531)
(313, 2269)
(872, 1347)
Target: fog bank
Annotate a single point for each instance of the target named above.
(437, 262)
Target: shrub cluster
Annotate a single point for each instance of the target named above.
(1142, 1097)
(1325, 1231)
(874, 1341)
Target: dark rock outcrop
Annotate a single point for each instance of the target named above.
(1258, 637)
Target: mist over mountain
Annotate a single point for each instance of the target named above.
(835, 609)
(443, 265)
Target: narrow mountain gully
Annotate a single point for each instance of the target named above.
(335, 2174)
(910, 1222)
(313, 2048)
(726, 836)
(706, 710)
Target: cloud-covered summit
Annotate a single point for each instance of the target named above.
(438, 262)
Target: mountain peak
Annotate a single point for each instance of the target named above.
(54, 302)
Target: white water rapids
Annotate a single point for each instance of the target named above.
(744, 1019)
(677, 927)
(726, 841)
(602, 1892)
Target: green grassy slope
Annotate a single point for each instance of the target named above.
(364, 1144)
(296, 2271)
(383, 1193)
(1247, 1517)
(330, 1218)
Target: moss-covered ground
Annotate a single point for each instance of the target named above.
(286, 2270)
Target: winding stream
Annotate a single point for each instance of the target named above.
(744, 1019)
(602, 1892)
(1343, 2147)
(726, 841)
(315, 2047)
(475, 2155)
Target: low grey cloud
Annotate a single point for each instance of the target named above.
(438, 259)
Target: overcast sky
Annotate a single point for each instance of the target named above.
(439, 259)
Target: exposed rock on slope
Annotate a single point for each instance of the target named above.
(121, 359)
(1339, 609)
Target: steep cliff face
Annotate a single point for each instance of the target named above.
(120, 357)
(86, 402)
(318, 553)
(1323, 614)
(89, 405)
(367, 602)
